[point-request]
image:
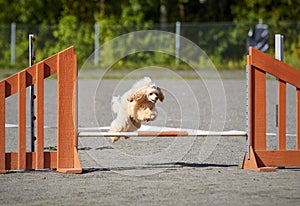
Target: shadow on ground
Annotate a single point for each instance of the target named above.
(169, 165)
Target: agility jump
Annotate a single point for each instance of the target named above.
(258, 157)
(66, 159)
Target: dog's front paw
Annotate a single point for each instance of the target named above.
(114, 139)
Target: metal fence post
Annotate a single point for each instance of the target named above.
(13, 43)
(177, 43)
(96, 43)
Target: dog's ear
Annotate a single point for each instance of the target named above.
(136, 96)
(161, 96)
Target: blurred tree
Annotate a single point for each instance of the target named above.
(129, 12)
(74, 20)
(71, 32)
(30, 11)
(134, 11)
(85, 10)
(268, 10)
(281, 16)
(199, 11)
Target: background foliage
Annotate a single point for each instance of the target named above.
(219, 27)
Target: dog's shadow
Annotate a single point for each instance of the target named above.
(104, 148)
(197, 165)
(170, 165)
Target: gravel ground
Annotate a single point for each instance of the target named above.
(158, 171)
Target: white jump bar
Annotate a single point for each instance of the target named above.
(161, 134)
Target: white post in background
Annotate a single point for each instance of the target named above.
(96, 44)
(32, 92)
(13, 43)
(177, 43)
(31, 56)
(279, 47)
(278, 55)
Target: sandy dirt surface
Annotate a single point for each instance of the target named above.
(158, 171)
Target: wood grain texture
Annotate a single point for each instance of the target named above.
(259, 110)
(2, 127)
(66, 159)
(50, 68)
(40, 115)
(272, 158)
(275, 67)
(66, 130)
(281, 115)
(253, 163)
(262, 159)
(22, 120)
(50, 160)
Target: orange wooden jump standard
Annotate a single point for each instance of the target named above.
(261, 159)
(65, 159)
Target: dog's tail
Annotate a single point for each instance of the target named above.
(116, 104)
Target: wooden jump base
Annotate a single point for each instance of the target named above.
(65, 159)
(258, 157)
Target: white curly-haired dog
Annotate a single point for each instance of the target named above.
(135, 106)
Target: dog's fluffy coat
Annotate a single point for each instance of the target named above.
(135, 106)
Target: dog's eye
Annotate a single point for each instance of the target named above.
(151, 93)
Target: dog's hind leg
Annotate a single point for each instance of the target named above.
(114, 139)
(113, 129)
